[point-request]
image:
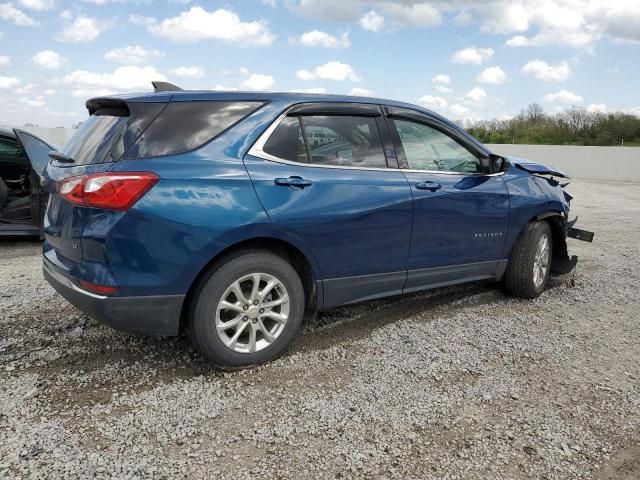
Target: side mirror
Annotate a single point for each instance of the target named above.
(493, 163)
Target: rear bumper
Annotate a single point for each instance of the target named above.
(147, 315)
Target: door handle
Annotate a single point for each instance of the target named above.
(293, 181)
(431, 186)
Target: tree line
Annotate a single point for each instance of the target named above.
(575, 126)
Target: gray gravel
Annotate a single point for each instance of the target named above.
(461, 383)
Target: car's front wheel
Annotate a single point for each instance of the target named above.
(248, 310)
(530, 262)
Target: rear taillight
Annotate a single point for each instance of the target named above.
(111, 190)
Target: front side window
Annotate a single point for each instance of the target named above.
(427, 148)
(9, 148)
(344, 141)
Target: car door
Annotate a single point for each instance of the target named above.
(37, 151)
(341, 196)
(461, 213)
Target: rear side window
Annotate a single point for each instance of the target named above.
(286, 141)
(344, 141)
(183, 126)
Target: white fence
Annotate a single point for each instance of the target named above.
(55, 135)
(599, 163)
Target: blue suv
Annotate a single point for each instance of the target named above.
(232, 216)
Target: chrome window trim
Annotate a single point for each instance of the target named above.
(257, 150)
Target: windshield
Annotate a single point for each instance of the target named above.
(94, 139)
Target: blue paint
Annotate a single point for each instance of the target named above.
(348, 223)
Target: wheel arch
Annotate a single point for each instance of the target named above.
(556, 221)
(304, 264)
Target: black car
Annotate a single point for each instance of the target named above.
(23, 158)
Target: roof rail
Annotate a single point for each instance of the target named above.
(165, 87)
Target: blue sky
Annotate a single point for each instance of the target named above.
(467, 59)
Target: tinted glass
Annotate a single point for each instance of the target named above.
(286, 141)
(183, 126)
(344, 141)
(92, 142)
(9, 148)
(140, 116)
(37, 151)
(429, 149)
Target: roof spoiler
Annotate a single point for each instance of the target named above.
(165, 87)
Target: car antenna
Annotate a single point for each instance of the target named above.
(165, 87)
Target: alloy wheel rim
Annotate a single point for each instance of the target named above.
(541, 261)
(252, 313)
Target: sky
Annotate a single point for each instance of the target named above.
(466, 59)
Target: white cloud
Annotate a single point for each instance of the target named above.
(433, 103)
(372, 21)
(459, 111)
(518, 41)
(188, 72)
(85, 83)
(361, 92)
(443, 89)
(198, 24)
(328, 9)
(548, 73)
(334, 70)
(133, 55)
(223, 88)
(317, 38)
(258, 81)
(14, 15)
(578, 39)
(305, 75)
(442, 79)
(492, 75)
(563, 96)
(26, 88)
(5, 61)
(572, 23)
(39, 5)
(473, 55)
(8, 82)
(597, 108)
(463, 19)
(47, 59)
(37, 101)
(309, 90)
(83, 29)
(476, 95)
(412, 14)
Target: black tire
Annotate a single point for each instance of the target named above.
(203, 311)
(519, 276)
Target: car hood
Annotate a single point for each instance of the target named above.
(536, 167)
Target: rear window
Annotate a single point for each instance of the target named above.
(93, 141)
(184, 126)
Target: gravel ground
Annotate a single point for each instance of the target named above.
(460, 383)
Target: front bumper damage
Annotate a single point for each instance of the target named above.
(561, 263)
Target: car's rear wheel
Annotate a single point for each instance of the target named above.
(248, 310)
(530, 262)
